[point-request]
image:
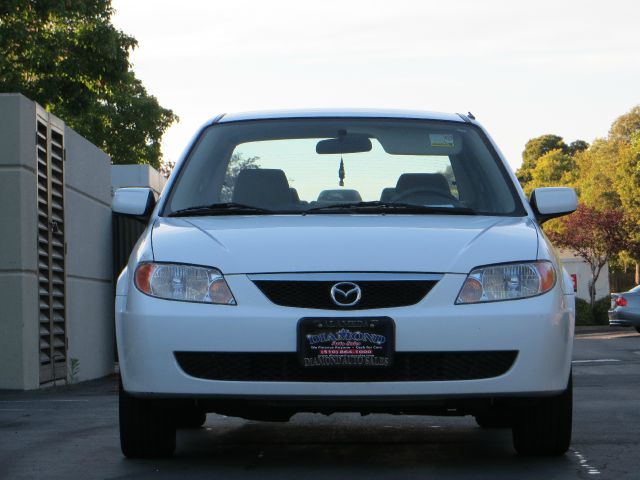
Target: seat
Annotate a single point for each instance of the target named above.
(387, 194)
(339, 195)
(423, 188)
(426, 181)
(262, 187)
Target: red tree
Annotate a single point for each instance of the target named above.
(593, 235)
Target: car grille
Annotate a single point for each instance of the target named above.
(316, 294)
(406, 367)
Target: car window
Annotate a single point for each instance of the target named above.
(312, 174)
(292, 166)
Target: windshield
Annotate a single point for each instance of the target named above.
(322, 165)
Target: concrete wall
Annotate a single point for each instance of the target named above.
(19, 330)
(90, 327)
(137, 176)
(89, 290)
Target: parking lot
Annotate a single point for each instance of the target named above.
(71, 432)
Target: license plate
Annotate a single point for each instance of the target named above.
(346, 342)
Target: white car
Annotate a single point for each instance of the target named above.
(436, 292)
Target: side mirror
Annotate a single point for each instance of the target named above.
(137, 202)
(552, 202)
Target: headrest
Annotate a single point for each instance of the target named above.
(430, 181)
(387, 194)
(339, 195)
(262, 187)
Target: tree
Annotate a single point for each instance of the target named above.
(166, 168)
(539, 148)
(576, 147)
(627, 186)
(536, 148)
(610, 179)
(554, 168)
(597, 172)
(67, 56)
(625, 126)
(596, 236)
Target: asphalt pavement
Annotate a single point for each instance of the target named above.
(71, 432)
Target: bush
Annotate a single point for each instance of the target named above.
(600, 311)
(597, 316)
(584, 315)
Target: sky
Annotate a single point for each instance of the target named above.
(522, 68)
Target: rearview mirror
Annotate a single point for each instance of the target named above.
(134, 201)
(348, 143)
(552, 202)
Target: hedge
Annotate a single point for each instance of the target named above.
(599, 316)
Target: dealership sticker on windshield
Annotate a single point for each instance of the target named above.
(443, 140)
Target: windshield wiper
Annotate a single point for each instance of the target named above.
(228, 208)
(388, 207)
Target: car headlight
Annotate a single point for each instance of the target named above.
(186, 283)
(510, 281)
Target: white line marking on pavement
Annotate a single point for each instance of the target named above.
(599, 360)
(44, 401)
(583, 463)
(26, 409)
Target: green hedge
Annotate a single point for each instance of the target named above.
(601, 310)
(584, 315)
(599, 316)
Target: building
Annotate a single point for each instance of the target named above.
(580, 272)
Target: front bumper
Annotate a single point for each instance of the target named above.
(150, 330)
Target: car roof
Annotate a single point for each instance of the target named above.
(338, 113)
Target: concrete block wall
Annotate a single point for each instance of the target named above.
(90, 327)
(137, 176)
(19, 329)
(89, 289)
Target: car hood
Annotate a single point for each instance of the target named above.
(339, 243)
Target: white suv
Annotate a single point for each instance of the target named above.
(427, 288)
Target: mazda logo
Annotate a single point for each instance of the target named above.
(345, 294)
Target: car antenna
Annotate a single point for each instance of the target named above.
(471, 115)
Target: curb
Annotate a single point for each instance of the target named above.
(601, 329)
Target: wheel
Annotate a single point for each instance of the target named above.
(190, 418)
(545, 429)
(637, 329)
(146, 430)
(494, 420)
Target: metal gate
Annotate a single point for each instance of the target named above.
(126, 232)
(51, 251)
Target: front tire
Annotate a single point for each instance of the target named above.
(637, 329)
(545, 429)
(146, 430)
